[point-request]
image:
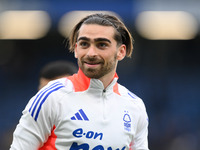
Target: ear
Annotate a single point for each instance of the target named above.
(75, 51)
(121, 52)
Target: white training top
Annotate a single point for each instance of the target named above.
(76, 113)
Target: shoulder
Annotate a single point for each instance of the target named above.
(56, 89)
(136, 103)
(62, 85)
(131, 97)
(49, 96)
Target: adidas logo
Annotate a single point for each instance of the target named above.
(80, 115)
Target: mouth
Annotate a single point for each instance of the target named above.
(92, 64)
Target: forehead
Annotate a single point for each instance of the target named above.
(93, 31)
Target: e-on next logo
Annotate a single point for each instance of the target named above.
(127, 121)
(79, 133)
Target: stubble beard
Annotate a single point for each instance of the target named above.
(96, 73)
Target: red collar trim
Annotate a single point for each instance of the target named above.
(82, 82)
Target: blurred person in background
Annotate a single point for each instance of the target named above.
(54, 70)
(90, 109)
(50, 71)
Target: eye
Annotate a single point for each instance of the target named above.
(83, 44)
(102, 45)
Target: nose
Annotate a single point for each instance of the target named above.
(92, 52)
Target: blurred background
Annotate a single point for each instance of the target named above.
(164, 69)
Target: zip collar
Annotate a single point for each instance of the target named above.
(83, 83)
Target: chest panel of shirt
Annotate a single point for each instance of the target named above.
(101, 118)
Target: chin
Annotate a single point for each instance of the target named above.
(93, 74)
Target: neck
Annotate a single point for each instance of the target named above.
(107, 79)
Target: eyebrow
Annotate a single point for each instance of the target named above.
(96, 40)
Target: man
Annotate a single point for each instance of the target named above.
(89, 110)
(54, 70)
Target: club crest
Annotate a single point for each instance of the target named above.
(127, 121)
